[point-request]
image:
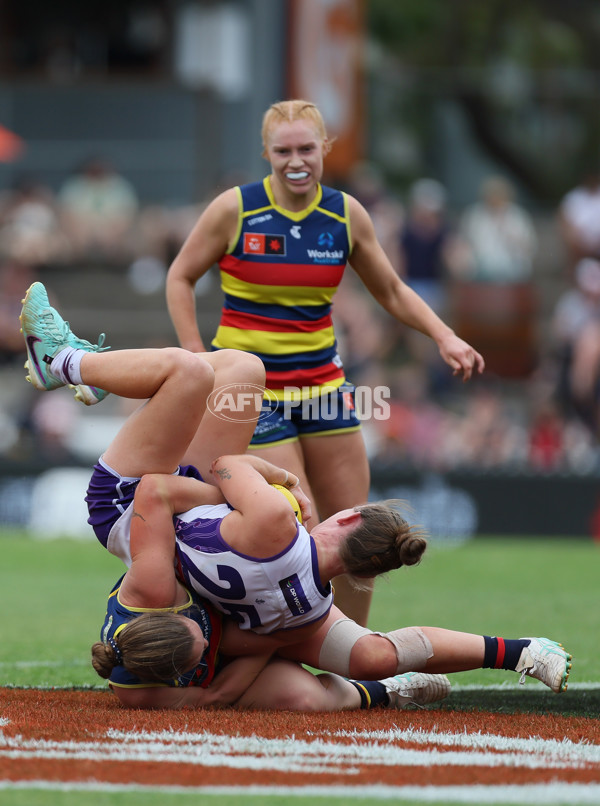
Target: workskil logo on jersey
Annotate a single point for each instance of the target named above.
(257, 243)
(325, 253)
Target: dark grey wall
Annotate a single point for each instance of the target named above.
(163, 138)
(458, 505)
(175, 142)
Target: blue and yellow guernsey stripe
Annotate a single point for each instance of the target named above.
(119, 615)
(278, 280)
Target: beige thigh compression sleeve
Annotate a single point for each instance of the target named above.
(337, 646)
(412, 646)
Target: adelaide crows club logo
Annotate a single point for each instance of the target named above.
(257, 243)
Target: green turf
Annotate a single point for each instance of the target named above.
(32, 797)
(55, 592)
(502, 586)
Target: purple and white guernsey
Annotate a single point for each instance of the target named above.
(278, 593)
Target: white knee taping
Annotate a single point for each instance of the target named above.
(336, 648)
(413, 648)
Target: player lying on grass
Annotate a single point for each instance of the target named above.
(145, 655)
(239, 524)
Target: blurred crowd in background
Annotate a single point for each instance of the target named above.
(535, 409)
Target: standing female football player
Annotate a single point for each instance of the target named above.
(282, 245)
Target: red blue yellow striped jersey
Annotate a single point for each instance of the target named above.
(278, 281)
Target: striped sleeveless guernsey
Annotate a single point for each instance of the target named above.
(278, 282)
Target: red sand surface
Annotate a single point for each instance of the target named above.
(79, 736)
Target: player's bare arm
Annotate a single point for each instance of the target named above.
(377, 273)
(227, 687)
(206, 244)
(273, 474)
(262, 523)
(278, 475)
(151, 581)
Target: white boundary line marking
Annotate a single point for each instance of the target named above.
(477, 749)
(321, 750)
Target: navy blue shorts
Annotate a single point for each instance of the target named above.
(286, 420)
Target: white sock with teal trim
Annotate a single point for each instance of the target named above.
(66, 365)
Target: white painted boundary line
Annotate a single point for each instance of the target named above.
(554, 794)
(369, 746)
(564, 750)
(324, 754)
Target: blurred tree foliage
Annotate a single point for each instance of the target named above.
(524, 73)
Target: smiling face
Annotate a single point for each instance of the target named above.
(295, 150)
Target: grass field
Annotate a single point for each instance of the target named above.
(56, 592)
(53, 594)
(87, 797)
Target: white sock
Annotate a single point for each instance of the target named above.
(66, 365)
